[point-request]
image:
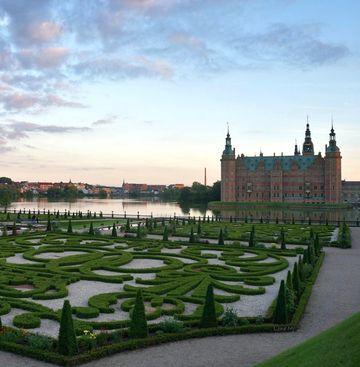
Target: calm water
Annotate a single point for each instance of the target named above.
(162, 208)
(118, 206)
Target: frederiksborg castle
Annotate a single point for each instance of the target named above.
(304, 177)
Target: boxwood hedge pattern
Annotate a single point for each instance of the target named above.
(183, 278)
(297, 234)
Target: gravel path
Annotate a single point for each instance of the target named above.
(336, 295)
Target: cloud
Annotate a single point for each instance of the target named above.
(32, 101)
(21, 129)
(115, 68)
(50, 57)
(295, 45)
(105, 121)
(44, 31)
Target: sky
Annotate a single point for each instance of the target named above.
(102, 91)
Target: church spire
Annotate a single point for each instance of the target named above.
(308, 146)
(296, 152)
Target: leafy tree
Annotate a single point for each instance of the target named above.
(138, 325)
(113, 232)
(67, 337)
(280, 313)
(208, 318)
(69, 230)
(221, 238)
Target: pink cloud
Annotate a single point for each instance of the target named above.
(49, 57)
(44, 31)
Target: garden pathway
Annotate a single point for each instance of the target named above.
(336, 295)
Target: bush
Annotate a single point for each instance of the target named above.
(27, 321)
(40, 342)
(67, 338)
(170, 325)
(138, 325)
(230, 318)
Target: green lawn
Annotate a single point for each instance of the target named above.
(336, 347)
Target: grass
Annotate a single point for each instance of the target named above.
(336, 347)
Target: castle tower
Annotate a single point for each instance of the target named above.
(296, 151)
(332, 170)
(308, 146)
(228, 168)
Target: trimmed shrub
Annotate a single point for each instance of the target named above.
(166, 234)
(230, 318)
(280, 314)
(138, 325)
(69, 230)
(91, 229)
(113, 232)
(296, 281)
(282, 239)
(67, 338)
(208, 318)
(221, 238)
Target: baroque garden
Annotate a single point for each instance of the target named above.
(142, 282)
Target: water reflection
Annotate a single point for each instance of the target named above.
(117, 206)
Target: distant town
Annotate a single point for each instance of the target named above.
(41, 188)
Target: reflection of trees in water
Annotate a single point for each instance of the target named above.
(288, 214)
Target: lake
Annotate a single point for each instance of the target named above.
(118, 206)
(157, 207)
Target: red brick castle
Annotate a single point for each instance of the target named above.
(298, 178)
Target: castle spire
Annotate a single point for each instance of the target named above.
(308, 146)
(296, 152)
(228, 147)
(332, 140)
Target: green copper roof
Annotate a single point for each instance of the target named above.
(303, 162)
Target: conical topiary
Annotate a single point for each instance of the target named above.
(289, 283)
(91, 229)
(113, 232)
(127, 227)
(166, 234)
(199, 229)
(69, 230)
(280, 313)
(14, 231)
(221, 238)
(138, 231)
(282, 239)
(4, 231)
(296, 281)
(252, 237)
(138, 325)
(208, 318)
(67, 338)
(48, 225)
(192, 237)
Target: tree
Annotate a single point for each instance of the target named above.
(67, 337)
(69, 230)
(208, 318)
(138, 325)
(91, 229)
(221, 238)
(113, 232)
(166, 234)
(280, 313)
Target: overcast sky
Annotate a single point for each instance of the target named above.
(141, 90)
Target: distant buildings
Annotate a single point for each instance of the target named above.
(146, 189)
(351, 192)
